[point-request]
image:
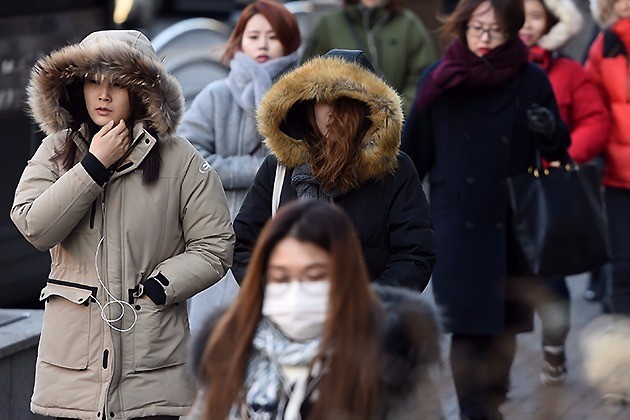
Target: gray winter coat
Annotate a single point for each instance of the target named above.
(221, 123)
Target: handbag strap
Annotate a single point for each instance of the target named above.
(277, 188)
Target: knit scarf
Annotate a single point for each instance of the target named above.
(266, 385)
(249, 80)
(460, 67)
(309, 188)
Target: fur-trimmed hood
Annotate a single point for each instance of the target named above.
(603, 13)
(282, 117)
(125, 56)
(569, 23)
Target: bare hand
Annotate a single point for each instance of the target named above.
(110, 143)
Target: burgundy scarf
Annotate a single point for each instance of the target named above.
(460, 67)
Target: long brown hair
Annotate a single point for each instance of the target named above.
(74, 102)
(510, 16)
(335, 157)
(283, 22)
(350, 386)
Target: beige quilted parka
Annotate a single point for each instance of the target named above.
(106, 241)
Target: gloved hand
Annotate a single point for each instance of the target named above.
(540, 120)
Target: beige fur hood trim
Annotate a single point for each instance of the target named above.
(603, 13)
(570, 23)
(124, 56)
(325, 79)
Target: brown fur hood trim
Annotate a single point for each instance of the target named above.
(124, 56)
(325, 79)
(569, 24)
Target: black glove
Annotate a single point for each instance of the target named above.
(540, 120)
(154, 290)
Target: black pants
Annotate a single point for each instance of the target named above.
(618, 291)
(554, 310)
(481, 373)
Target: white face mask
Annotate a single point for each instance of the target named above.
(298, 309)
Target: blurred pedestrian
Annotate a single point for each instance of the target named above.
(480, 115)
(309, 338)
(549, 25)
(221, 122)
(394, 39)
(136, 223)
(333, 128)
(608, 66)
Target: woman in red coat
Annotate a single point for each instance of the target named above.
(609, 67)
(549, 24)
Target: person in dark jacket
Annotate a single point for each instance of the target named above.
(308, 338)
(333, 128)
(480, 114)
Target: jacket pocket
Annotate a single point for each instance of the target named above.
(65, 338)
(160, 335)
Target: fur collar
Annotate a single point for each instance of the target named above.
(570, 23)
(124, 56)
(326, 79)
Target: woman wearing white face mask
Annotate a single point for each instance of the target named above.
(308, 338)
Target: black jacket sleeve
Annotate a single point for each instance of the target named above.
(411, 235)
(554, 147)
(252, 216)
(417, 135)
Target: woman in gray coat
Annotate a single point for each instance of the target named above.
(221, 122)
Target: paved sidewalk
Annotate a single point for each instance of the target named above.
(528, 400)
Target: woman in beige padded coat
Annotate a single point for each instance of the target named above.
(136, 223)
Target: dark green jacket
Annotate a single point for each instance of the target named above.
(399, 46)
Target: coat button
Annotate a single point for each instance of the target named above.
(469, 224)
(470, 180)
(467, 136)
(505, 139)
(499, 225)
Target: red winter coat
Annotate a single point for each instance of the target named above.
(607, 64)
(580, 102)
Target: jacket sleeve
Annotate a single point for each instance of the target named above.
(207, 231)
(554, 148)
(253, 215)
(420, 55)
(589, 117)
(411, 236)
(417, 138)
(48, 205)
(198, 126)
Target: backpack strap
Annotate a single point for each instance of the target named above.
(612, 44)
(277, 188)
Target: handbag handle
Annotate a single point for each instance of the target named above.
(538, 169)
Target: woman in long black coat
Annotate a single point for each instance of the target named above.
(480, 114)
(335, 128)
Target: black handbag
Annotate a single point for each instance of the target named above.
(558, 218)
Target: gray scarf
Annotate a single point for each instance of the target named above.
(309, 188)
(265, 382)
(249, 80)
